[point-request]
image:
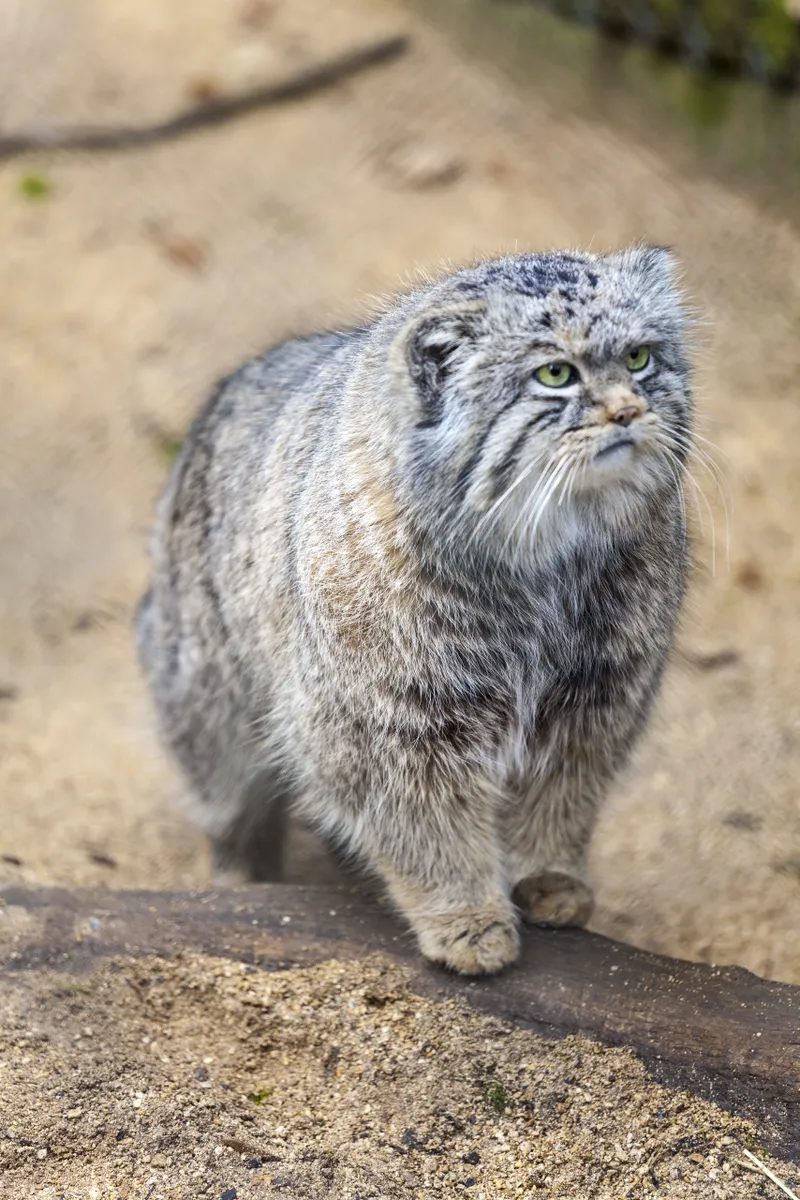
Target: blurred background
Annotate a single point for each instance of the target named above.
(130, 281)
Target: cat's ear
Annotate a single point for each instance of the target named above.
(660, 264)
(430, 348)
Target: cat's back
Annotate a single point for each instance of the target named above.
(257, 419)
(231, 484)
(229, 496)
(251, 407)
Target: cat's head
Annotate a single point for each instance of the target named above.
(547, 389)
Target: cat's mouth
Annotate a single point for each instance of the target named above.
(621, 446)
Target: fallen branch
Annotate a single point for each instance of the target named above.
(211, 112)
(721, 1033)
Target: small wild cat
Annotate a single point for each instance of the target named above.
(419, 579)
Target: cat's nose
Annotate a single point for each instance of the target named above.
(625, 415)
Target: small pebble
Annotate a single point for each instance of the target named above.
(423, 165)
(249, 63)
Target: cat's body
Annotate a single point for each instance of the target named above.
(426, 599)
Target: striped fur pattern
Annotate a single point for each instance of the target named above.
(410, 591)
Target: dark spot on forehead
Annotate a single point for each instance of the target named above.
(469, 287)
(534, 275)
(566, 275)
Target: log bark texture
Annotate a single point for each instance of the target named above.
(721, 1033)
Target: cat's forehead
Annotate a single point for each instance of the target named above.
(587, 304)
(575, 276)
(595, 324)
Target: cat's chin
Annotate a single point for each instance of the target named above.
(610, 496)
(623, 464)
(618, 453)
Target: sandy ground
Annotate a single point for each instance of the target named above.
(140, 278)
(195, 1077)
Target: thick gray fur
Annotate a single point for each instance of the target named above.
(406, 589)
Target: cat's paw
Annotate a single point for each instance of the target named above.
(472, 942)
(554, 898)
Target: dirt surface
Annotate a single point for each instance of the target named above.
(129, 283)
(198, 1077)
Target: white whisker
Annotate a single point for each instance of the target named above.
(540, 483)
(670, 444)
(694, 453)
(566, 482)
(544, 500)
(512, 486)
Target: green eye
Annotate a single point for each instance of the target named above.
(556, 375)
(638, 358)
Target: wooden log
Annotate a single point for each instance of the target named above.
(721, 1033)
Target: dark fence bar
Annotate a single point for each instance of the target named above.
(758, 39)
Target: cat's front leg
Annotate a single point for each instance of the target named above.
(555, 898)
(547, 839)
(436, 846)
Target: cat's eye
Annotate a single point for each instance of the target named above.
(556, 374)
(638, 358)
